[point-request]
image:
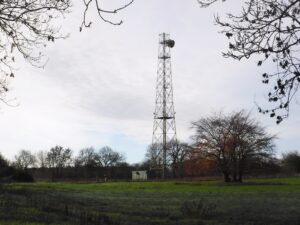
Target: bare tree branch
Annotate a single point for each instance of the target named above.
(27, 26)
(101, 12)
(271, 30)
(207, 3)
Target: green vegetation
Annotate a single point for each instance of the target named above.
(256, 202)
(250, 186)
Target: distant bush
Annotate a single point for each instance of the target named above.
(3, 162)
(22, 176)
(291, 162)
(7, 172)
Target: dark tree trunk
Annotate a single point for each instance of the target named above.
(226, 177)
(234, 177)
(240, 179)
(174, 171)
(241, 170)
(234, 167)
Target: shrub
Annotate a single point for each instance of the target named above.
(21, 176)
(7, 172)
(3, 162)
(291, 162)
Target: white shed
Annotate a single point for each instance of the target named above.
(139, 175)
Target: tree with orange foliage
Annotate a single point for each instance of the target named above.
(199, 166)
(232, 141)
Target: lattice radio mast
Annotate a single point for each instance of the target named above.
(164, 128)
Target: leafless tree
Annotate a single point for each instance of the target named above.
(87, 157)
(27, 26)
(291, 161)
(177, 153)
(232, 141)
(108, 157)
(24, 160)
(41, 157)
(154, 156)
(101, 12)
(59, 157)
(271, 30)
(3, 162)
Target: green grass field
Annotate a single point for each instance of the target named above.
(255, 202)
(250, 186)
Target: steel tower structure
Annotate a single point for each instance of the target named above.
(164, 127)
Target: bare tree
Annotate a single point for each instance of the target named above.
(232, 141)
(28, 26)
(291, 161)
(211, 136)
(59, 157)
(249, 142)
(154, 156)
(271, 30)
(109, 157)
(3, 162)
(177, 153)
(41, 157)
(87, 157)
(25, 27)
(101, 11)
(24, 160)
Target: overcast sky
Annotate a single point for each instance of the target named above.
(98, 87)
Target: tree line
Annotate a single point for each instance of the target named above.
(60, 157)
(232, 145)
(52, 164)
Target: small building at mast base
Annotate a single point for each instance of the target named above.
(139, 175)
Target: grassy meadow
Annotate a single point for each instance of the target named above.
(255, 202)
